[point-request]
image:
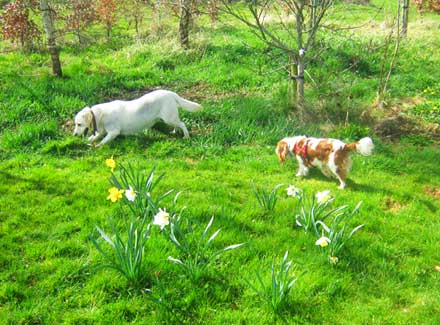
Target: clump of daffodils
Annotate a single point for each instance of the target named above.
(115, 194)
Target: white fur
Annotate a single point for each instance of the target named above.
(131, 117)
(365, 146)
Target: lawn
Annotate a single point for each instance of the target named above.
(54, 187)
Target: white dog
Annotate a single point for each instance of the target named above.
(111, 119)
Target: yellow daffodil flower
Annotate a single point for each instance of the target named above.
(111, 163)
(115, 194)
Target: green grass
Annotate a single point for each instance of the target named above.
(54, 186)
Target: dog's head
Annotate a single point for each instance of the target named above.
(83, 121)
(286, 146)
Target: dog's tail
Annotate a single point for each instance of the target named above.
(364, 146)
(188, 105)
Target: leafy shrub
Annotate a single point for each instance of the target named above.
(350, 133)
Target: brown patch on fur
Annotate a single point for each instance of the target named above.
(322, 151)
(343, 162)
(282, 151)
(351, 146)
(432, 192)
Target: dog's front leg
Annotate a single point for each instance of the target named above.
(94, 137)
(109, 137)
(302, 169)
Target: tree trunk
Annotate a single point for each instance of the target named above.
(300, 83)
(300, 59)
(184, 24)
(405, 13)
(51, 41)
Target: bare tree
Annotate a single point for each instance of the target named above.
(51, 37)
(385, 75)
(289, 25)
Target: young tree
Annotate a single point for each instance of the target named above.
(106, 12)
(16, 23)
(289, 25)
(184, 23)
(405, 14)
(51, 37)
(82, 15)
(389, 59)
(135, 9)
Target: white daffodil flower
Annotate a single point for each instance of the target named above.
(293, 191)
(323, 241)
(130, 194)
(323, 197)
(161, 219)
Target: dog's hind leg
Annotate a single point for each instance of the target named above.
(340, 173)
(109, 137)
(182, 126)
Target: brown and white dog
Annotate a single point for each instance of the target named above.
(330, 155)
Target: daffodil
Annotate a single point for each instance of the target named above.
(115, 194)
(323, 197)
(323, 241)
(293, 191)
(111, 163)
(334, 260)
(130, 194)
(161, 219)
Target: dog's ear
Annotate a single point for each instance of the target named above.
(88, 115)
(282, 151)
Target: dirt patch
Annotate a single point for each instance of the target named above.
(432, 192)
(393, 205)
(68, 126)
